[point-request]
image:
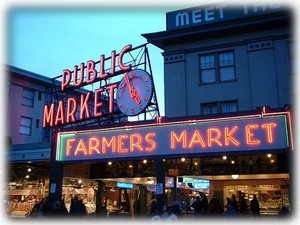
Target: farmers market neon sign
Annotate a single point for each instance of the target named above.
(200, 136)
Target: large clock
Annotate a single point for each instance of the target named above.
(134, 92)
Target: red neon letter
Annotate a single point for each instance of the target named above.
(81, 148)
(249, 135)
(111, 89)
(96, 103)
(135, 142)
(113, 62)
(127, 48)
(71, 110)
(90, 68)
(102, 69)
(229, 138)
(84, 107)
(75, 74)
(94, 144)
(66, 78)
(111, 143)
(181, 138)
(121, 143)
(268, 127)
(69, 146)
(150, 141)
(215, 139)
(48, 115)
(60, 113)
(197, 139)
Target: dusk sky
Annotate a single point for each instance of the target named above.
(50, 37)
(47, 40)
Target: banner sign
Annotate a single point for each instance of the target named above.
(214, 13)
(189, 137)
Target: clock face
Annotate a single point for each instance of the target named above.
(134, 92)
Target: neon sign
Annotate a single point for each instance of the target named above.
(197, 183)
(124, 185)
(133, 93)
(224, 135)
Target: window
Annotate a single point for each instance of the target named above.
(40, 96)
(219, 107)
(210, 108)
(217, 67)
(28, 97)
(25, 125)
(208, 70)
(228, 106)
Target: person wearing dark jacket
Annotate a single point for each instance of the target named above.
(59, 210)
(198, 207)
(254, 206)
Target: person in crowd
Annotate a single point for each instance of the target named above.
(215, 206)
(168, 215)
(77, 208)
(152, 205)
(205, 204)
(254, 206)
(44, 209)
(58, 210)
(230, 210)
(243, 205)
(176, 209)
(36, 208)
(198, 207)
(234, 202)
(284, 211)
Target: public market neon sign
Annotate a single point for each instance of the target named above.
(63, 113)
(220, 135)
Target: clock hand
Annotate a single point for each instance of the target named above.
(132, 91)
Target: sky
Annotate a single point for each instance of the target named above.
(48, 39)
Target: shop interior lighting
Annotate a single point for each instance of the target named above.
(112, 189)
(150, 181)
(235, 176)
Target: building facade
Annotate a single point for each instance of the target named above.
(224, 60)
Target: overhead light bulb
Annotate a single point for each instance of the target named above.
(235, 176)
(150, 181)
